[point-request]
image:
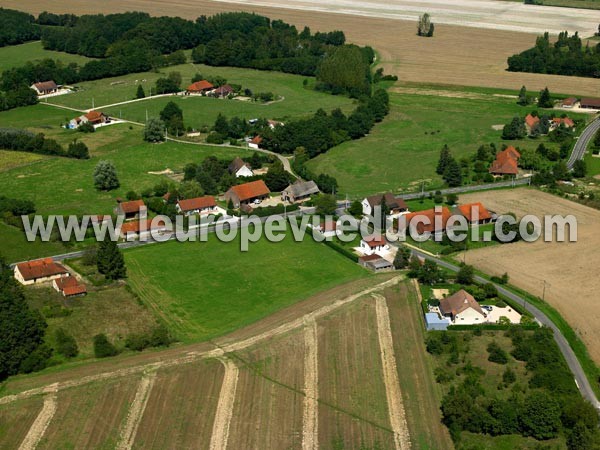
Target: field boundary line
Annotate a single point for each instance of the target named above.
(220, 431)
(136, 411)
(40, 425)
(393, 392)
(310, 417)
(192, 356)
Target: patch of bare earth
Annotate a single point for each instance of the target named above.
(41, 422)
(310, 418)
(456, 55)
(16, 419)
(568, 268)
(220, 432)
(136, 411)
(390, 375)
(181, 407)
(352, 396)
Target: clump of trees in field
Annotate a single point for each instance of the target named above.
(449, 168)
(110, 261)
(567, 56)
(425, 27)
(545, 405)
(26, 141)
(105, 176)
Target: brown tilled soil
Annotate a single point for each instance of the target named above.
(420, 395)
(90, 416)
(181, 407)
(16, 420)
(456, 55)
(352, 396)
(568, 268)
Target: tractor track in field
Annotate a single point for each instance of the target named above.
(220, 432)
(43, 419)
(310, 417)
(136, 411)
(397, 413)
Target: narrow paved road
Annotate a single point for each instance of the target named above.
(581, 380)
(582, 143)
(462, 189)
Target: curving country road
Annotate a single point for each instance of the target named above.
(581, 379)
(582, 143)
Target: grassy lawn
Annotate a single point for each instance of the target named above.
(65, 186)
(14, 247)
(9, 159)
(203, 290)
(17, 55)
(403, 150)
(111, 310)
(297, 100)
(593, 164)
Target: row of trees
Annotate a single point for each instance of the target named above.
(449, 168)
(26, 141)
(17, 27)
(567, 56)
(324, 131)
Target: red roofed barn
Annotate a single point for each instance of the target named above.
(506, 162)
(244, 194)
(69, 286)
(199, 205)
(39, 271)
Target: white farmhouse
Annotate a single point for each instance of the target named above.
(462, 308)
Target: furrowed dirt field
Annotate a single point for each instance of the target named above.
(331, 376)
(568, 268)
(472, 55)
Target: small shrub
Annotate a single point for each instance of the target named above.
(65, 344)
(497, 354)
(103, 347)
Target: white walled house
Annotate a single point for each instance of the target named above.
(239, 168)
(462, 308)
(199, 205)
(373, 245)
(395, 205)
(39, 271)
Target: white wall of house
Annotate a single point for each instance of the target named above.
(368, 250)
(367, 208)
(20, 279)
(253, 145)
(244, 171)
(469, 316)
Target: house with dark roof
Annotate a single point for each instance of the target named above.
(94, 118)
(130, 209)
(590, 103)
(462, 308)
(375, 263)
(222, 91)
(299, 191)
(506, 162)
(45, 87)
(39, 271)
(69, 287)
(198, 205)
(247, 193)
(240, 168)
(199, 87)
(569, 102)
(396, 205)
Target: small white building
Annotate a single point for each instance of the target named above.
(373, 245)
(328, 228)
(39, 271)
(395, 205)
(45, 87)
(239, 168)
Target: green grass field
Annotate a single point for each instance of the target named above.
(297, 100)
(205, 289)
(404, 149)
(65, 186)
(14, 247)
(17, 55)
(10, 159)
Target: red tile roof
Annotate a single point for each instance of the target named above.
(330, 225)
(224, 90)
(506, 162)
(430, 215)
(197, 203)
(509, 151)
(250, 190)
(132, 206)
(566, 121)
(200, 86)
(46, 86)
(65, 281)
(136, 226)
(76, 289)
(375, 241)
(470, 209)
(531, 121)
(372, 257)
(569, 101)
(94, 116)
(40, 268)
(459, 302)
(256, 140)
(590, 103)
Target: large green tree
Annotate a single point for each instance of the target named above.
(105, 176)
(346, 69)
(110, 261)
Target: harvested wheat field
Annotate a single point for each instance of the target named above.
(473, 55)
(568, 268)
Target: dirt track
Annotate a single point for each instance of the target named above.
(310, 427)
(224, 412)
(569, 269)
(457, 55)
(136, 411)
(38, 428)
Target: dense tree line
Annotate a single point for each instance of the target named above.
(22, 347)
(323, 131)
(26, 141)
(567, 56)
(549, 406)
(346, 69)
(17, 27)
